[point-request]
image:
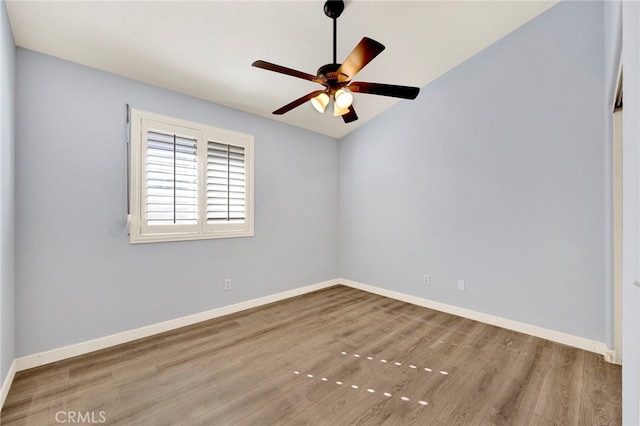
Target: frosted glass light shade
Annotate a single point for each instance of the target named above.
(343, 98)
(339, 111)
(320, 102)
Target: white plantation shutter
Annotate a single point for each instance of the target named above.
(226, 183)
(172, 179)
(188, 180)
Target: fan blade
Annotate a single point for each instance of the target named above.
(405, 92)
(288, 107)
(350, 116)
(363, 53)
(288, 71)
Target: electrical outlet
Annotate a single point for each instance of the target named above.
(460, 285)
(227, 284)
(427, 279)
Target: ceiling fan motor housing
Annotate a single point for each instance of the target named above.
(329, 72)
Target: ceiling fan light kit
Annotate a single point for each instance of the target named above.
(337, 78)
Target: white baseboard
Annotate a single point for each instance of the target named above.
(612, 357)
(82, 348)
(544, 333)
(59, 354)
(6, 384)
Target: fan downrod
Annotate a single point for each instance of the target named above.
(333, 9)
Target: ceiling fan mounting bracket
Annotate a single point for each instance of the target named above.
(333, 8)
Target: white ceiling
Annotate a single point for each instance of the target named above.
(205, 48)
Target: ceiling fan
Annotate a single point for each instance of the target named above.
(337, 78)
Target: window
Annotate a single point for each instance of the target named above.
(188, 181)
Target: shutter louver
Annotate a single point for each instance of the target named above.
(172, 179)
(226, 183)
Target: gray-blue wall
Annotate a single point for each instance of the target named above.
(79, 278)
(7, 194)
(495, 175)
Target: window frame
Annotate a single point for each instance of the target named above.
(139, 230)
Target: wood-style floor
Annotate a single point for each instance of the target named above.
(335, 357)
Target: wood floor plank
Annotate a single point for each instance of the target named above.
(338, 356)
(559, 399)
(601, 389)
(515, 403)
